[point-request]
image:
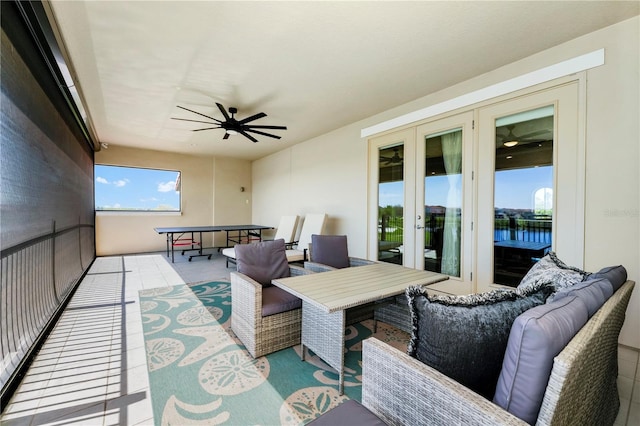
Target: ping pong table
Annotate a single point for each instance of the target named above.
(184, 236)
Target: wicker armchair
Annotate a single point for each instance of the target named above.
(263, 333)
(329, 252)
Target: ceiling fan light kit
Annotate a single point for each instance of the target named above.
(233, 126)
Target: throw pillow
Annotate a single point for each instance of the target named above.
(330, 250)
(550, 269)
(537, 336)
(263, 261)
(465, 337)
(616, 275)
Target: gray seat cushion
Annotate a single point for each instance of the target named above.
(351, 413)
(263, 261)
(276, 300)
(330, 250)
(465, 337)
(537, 336)
(616, 275)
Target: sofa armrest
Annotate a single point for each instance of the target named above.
(588, 362)
(402, 390)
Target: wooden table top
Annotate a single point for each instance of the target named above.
(348, 287)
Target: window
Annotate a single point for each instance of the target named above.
(136, 189)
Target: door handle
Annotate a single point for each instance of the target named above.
(419, 227)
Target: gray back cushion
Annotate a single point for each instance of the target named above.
(330, 250)
(616, 275)
(465, 337)
(537, 336)
(593, 292)
(262, 261)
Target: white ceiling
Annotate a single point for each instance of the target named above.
(311, 66)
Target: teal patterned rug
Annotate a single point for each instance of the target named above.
(200, 374)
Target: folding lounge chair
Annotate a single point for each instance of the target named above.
(286, 231)
(314, 223)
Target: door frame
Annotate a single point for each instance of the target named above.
(575, 255)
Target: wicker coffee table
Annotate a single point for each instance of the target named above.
(326, 296)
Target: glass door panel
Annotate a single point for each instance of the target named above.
(443, 202)
(391, 195)
(523, 192)
(529, 193)
(391, 189)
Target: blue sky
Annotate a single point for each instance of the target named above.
(135, 188)
(513, 188)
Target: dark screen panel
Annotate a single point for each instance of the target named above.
(47, 222)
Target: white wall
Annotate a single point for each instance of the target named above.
(314, 177)
(329, 173)
(231, 205)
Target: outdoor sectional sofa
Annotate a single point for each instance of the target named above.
(578, 387)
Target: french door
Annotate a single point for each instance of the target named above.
(529, 185)
(481, 195)
(444, 203)
(423, 206)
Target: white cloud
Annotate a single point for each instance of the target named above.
(102, 180)
(120, 183)
(167, 187)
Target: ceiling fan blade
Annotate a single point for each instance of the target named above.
(226, 135)
(195, 121)
(207, 128)
(223, 111)
(262, 133)
(536, 133)
(196, 112)
(252, 118)
(247, 135)
(258, 126)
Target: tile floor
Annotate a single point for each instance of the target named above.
(92, 368)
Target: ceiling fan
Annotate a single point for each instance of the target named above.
(510, 139)
(233, 126)
(395, 158)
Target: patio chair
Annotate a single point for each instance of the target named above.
(286, 230)
(314, 223)
(264, 317)
(329, 252)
